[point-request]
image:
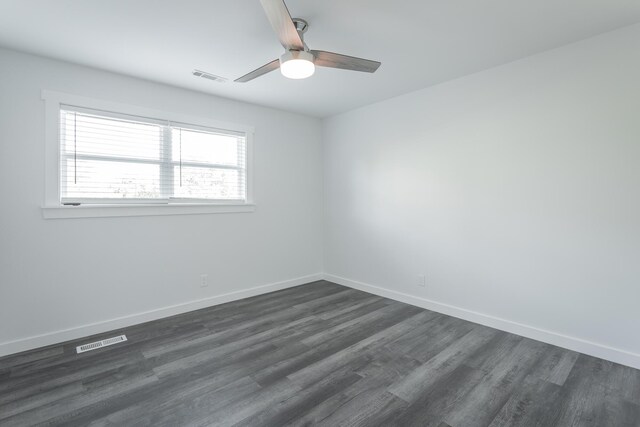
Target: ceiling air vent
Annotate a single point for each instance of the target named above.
(209, 76)
(99, 344)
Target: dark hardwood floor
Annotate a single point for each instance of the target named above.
(318, 354)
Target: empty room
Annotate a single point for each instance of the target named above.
(320, 213)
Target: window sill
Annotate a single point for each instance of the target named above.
(99, 211)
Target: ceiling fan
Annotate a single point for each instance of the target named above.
(298, 62)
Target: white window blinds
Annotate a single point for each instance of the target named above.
(109, 158)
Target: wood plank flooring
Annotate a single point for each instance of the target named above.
(318, 354)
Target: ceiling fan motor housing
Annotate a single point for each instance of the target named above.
(296, 54)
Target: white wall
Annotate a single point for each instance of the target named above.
(67, 273)
(515, 190)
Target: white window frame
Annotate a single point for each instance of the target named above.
(52, 207)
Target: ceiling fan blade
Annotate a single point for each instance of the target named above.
(282, 24)
(266, 68)
(345, 62)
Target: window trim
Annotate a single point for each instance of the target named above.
(52, 207)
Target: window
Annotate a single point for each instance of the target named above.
(107, 159)
(112, 158)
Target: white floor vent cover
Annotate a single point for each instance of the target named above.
(99, 344)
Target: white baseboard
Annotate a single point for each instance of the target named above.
(576, 344)
(57, 337)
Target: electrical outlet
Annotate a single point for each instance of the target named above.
(204, 280)
(422, 280)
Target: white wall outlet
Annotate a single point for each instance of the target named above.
(422, 280)
(204, 280)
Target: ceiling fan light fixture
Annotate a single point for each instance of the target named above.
(297, 64)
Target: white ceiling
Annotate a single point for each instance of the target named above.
(420, 42)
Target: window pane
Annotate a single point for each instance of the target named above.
(98, 136)
(208, 148)
(208, 183)
(116, 156)
(106, 179)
